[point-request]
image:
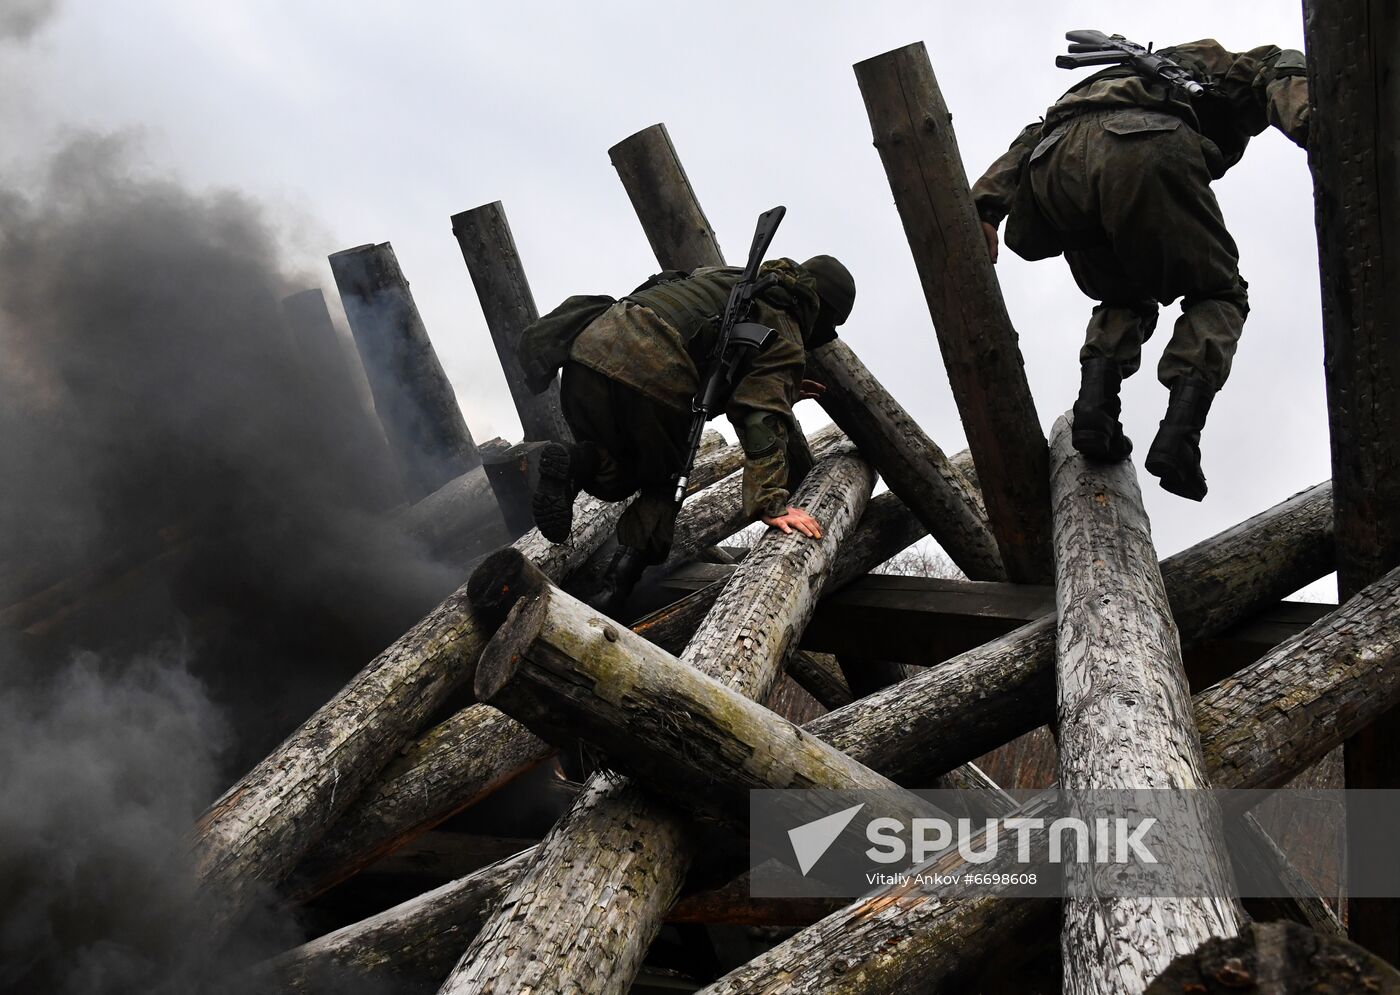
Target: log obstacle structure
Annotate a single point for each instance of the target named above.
(1185, 671)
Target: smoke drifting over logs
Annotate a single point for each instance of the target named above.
(188, 560)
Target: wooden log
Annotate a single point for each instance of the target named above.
(450, 767)
(568, 674)
(1125, 722)
(488, 248)
(260, 829)
(459, 521)
(907, 459)
(1341, 669)
(651, 172)
(981, 699)
(620, 839)
(1354, 85)
(1277, 959)
(914, 135)
(1260, 867)
(468, 756)
(309, 322)
(820, 675)
(412, 395)
(1272, 721)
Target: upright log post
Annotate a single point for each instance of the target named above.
(412, 395)
(1259, 729)
(1125, 722)
(308, 320)
(619, 839)
(651, 172)
(914, 134)
(1354, 85)
(488, 248)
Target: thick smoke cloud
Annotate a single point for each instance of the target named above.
(193, 556)
(20, 19)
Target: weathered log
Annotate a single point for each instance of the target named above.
(1260, 867)
(483, 234)
(255, 834)
(1278, 959)
(453, 765)
(1353, 52)
(1247, 738)
(1125, 722)
(981, 699)
(568, 674)
(1270, 722)
(623, 840)
(914, 135)
(907, 459)
(651, 172)
(412, 395)
(822, 678)
(459, 521)
(471, 754)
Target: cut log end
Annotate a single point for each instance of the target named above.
(501, 657)
(502, 579)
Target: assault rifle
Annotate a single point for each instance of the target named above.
(1094, 48)
(736, 344)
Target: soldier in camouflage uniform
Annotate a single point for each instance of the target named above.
(1117, 176)
(627, 388)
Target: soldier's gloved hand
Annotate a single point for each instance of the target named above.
(795, 518)
(811, 390)
(991, 232)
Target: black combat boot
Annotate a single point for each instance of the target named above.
(564, 469)
(622, 575)
(1097, 432)
(1175, 455)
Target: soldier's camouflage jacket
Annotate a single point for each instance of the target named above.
(1251, 90)
(656, 349)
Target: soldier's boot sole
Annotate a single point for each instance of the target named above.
(553, 502)
(1176, 462)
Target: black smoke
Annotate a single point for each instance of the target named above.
(194, 553)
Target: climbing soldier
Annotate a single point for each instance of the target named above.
(1117, 177)
(631, 370)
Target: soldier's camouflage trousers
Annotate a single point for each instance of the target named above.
(639, 445)
(1133, 187)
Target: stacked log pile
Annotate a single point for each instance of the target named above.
(1154, 673)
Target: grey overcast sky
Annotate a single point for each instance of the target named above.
(356, 121)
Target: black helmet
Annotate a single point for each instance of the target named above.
(835, 286)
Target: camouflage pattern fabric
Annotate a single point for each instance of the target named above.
(633, 346)
(1121, 168)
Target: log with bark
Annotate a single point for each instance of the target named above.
(412, 395)
(1353, 49)
(488, 248)
(1258, 729)
(1278, 959)
(977, 701)
(1282, 541)
(680, 235)
(259, 830)
(913, 132)
(621, 856)
(907, 459)
(1125, 722)
(465, 757)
